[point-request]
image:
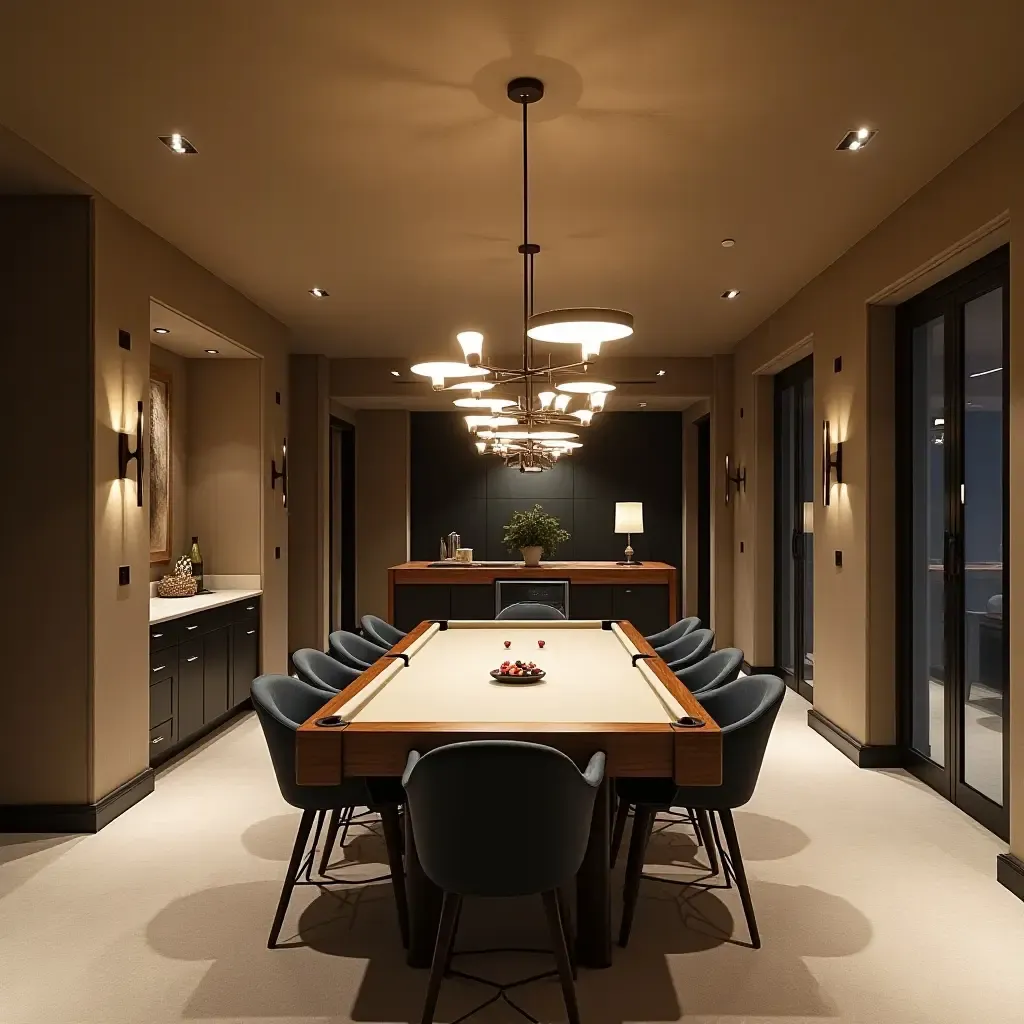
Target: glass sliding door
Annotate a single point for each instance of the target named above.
(794, 526)
(953, 346)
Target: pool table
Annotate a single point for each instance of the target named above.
(604, 689)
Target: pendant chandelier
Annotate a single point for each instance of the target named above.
(533, 429)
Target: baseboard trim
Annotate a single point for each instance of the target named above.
(59, 818)
(759, 670)
(1010, 874)
(863, 755)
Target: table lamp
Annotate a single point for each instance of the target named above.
(629, 519)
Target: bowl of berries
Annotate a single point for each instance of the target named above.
(517, 672)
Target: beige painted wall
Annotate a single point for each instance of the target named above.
(382, 504)
(855, 682)
(177, 367)
(690, 502)
(722, 559)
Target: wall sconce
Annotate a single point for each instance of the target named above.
(281, 474)
(126, 455)
(831, 461)
(738, 480)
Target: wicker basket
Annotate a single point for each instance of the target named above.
(176, 586)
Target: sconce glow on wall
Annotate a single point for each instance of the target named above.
(737, 480)
(281, 474)
(126, 455)
(831, 463)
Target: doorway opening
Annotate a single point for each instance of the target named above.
(343, 526)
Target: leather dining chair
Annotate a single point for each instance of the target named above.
(468, 803)
(528, 610)
(322, 671)
(282, 704)
(688, 649)
(354, 651)
(712, 671)
(380, 632)
(745, 710)
(674, 632)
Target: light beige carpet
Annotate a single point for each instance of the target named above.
(876, 899)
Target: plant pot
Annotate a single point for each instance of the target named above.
(531, 556)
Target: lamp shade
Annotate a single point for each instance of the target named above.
(629, 517)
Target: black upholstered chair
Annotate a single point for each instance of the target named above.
(382, 633)
(282, 704)
(528, 610)
(322, 671)
(746, 710)
(353, 650)
(688, 649)
(674, 632)
(713, 671)
(468, 804)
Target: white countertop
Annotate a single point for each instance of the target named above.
(161, 609)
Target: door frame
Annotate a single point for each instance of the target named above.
(342, 532)
(703, 426)
(948, 299)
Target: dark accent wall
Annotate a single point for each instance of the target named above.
(626, 456)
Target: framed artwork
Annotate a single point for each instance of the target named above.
(159, 466)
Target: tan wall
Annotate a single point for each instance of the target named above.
(225, 471)
(722, 610)
(177, 368)
(46, 514)
(382, 504)
(947, 220)
(690, 501)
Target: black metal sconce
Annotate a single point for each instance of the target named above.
(126, 455)
(831, 463)
(737, 480)
(281, 474)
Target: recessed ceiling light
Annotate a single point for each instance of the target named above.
(641, 405)
(161, 330)
(728, 243)
(177, 143)
(660, 373)
(857, 139)
(211, 351)
(395, 373)
(319, 293)
(732, 293)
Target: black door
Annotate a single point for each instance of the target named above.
(190, 688)
(215, 674)
(704, 520)
(245, 659)
(342, 541)
(952, 511)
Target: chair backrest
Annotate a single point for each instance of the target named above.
(745, 710)
(712, 671)
(673, 632)
(688, 649)
(528, 610)
(282, 704)
(352, 650)
(500, 817)
(322, 671)
(380, 632)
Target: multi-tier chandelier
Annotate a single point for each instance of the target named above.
(531, 430)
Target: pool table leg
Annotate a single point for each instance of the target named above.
(593, 888)
(424, 904)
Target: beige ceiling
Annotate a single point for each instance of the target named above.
(190, 339)
(370, 148)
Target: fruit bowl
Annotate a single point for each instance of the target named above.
(517, 672)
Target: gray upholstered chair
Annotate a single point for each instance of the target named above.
(353, 650)
(282, 704)
(746, 710)
(712, 671)
(468, 804)
(674, 632)
(322, 671)
(377, 631)
(528, 610)
(688, 649)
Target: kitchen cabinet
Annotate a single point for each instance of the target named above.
(245, 658)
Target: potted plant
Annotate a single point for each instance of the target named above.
(534, 533)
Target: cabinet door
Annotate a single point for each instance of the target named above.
(590, 601)
(472, 601)
(215, 674)
(245, 659)
(645, 606)
(189, 716)
(415, 602)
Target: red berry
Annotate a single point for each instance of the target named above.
(508, 644)
(540, 643)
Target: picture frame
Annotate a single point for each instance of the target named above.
(160, 466)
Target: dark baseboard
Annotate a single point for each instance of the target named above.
(77, 817)
(1010, 873)
(863, 755)
(760, 670)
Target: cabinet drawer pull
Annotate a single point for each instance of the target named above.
(195, 657)
(249, 632)
(156, 636)
(159, 739)
(190, 628)
(251, 608)
(159, 668)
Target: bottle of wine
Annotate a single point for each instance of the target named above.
(197, 565)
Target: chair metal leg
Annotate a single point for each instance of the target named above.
(557, 930)
(294, 864)
(696, 823)
(393, 842)
(704, 831)
(736, 859)
(621, 814)
(643, 823)
(332, 834)
(567, 926)
(445, 937)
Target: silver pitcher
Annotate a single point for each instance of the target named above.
(454, 542)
